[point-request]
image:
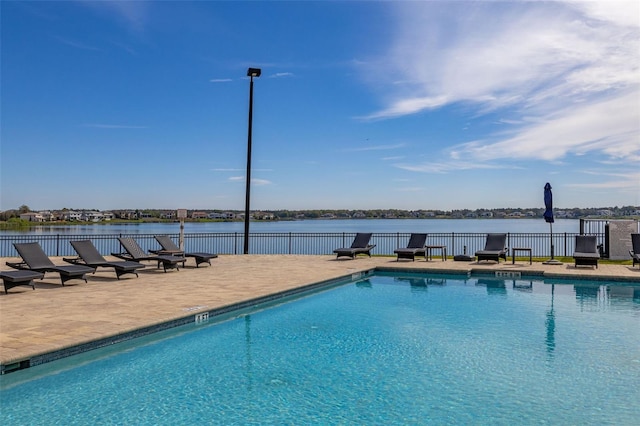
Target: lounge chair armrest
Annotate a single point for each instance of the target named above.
(18, 265)
(124, 256)
(168, 252)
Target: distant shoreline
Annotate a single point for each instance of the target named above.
(10, 225)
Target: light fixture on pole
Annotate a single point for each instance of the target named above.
(251, 72)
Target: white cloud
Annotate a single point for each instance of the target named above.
(281, 74)
(410, 189)
(375, 148)
(408, 106)
(499, 53)
(615, 181)
(254, 181)
(450, 166)
(611, 126)
(133, 13)
(75, 43)
(220, 80)
(567, 75)
(260, 182)
(623, 13)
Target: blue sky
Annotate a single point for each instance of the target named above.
(361, 105)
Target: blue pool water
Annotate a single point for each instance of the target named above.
(387, 350)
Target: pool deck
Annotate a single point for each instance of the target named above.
(54, 318)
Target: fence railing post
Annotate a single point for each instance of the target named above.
(453, 243)
(235, 243)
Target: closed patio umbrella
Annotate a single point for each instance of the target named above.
(548, 203)
(548, 217)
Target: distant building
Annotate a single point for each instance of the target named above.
(223, 215)
(71, 215)
(32, 217)
(92, 216)
(198, 215)
(265, 216)
(126, 214)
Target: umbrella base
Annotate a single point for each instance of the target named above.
(464, 258)
(552, 262)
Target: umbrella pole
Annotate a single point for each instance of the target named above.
(551, 230)
(552, 261)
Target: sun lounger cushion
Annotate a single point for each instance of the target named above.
(495, 248)
(414, 248)
(360, 245)
(586, 251)
(169, 247)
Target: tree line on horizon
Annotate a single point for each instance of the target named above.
(161, 214)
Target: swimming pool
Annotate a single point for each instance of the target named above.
(391, 349)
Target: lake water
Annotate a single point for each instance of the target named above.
(319, 226)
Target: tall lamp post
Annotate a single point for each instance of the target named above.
(251, 72)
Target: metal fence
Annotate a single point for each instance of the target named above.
(297, 243)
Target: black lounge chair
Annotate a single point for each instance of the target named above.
(360, 245)
(169, 247)
(586, 251)
(414, 248)
(495, 248)
(35, 259)
(134, 252)
(635, 253)
(89, 255)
